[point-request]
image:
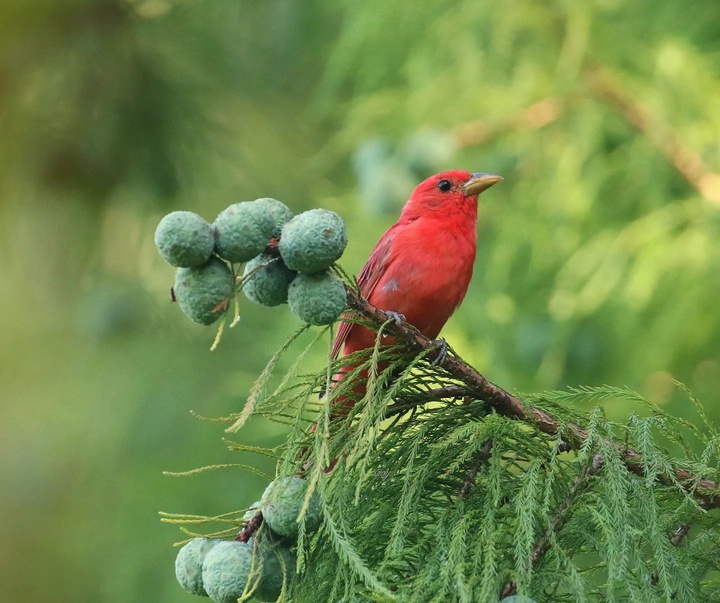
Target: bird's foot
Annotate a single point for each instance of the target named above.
(442, 348)
(396, 316)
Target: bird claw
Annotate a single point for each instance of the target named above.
(442, 347)
(396, 316)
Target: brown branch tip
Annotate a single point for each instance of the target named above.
(250, 528)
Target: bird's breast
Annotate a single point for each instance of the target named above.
(429, 274)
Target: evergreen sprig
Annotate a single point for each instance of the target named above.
(707, 491)
(438, 485)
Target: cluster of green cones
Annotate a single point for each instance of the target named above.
(228, 570)
(295, 270)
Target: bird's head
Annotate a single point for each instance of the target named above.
(450, 192)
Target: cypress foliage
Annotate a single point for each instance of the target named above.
(441, 495)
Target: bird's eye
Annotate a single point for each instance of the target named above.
(444, 185)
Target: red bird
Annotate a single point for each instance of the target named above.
(422, 265)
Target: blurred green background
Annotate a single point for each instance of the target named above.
(598, 261)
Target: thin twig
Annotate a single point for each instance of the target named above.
(480, 458)
(402, 404)
(579, 484)
(676, 539)
(447, 391)
(559, 519)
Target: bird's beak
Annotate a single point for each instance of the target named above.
(479, 182)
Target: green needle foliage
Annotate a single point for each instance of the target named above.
(447, 500)
(597, 260)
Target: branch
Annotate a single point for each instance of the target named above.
(686, 161)
(534, 117)
(707, 492)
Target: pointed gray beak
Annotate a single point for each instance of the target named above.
(479, 182)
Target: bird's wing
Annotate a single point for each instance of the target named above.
(367, 280)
